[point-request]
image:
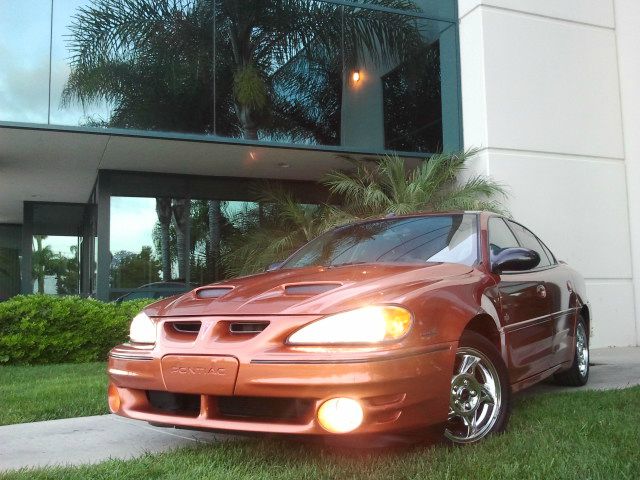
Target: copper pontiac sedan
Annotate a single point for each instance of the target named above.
(387, 325)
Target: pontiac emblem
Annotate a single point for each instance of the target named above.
(179, 370)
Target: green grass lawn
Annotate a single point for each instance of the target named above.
(45, 392)
(582, 435)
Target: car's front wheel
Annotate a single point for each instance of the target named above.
(480, 395)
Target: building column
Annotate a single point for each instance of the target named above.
(450, 91)
(104, 232)
(541, 98)
(628, 38)
(26, 265)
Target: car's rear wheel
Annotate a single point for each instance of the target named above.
(578, 373)
(480, 395)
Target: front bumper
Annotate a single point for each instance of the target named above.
(402, 390)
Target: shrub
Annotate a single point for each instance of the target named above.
(40, 329)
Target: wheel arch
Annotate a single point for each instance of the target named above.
(585, 313)
(485, 325)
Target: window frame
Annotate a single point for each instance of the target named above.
(553, 261)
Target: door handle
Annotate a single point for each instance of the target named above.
(541, 291)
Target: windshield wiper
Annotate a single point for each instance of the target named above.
(333, 265)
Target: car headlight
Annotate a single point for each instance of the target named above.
(143, 329)
(378, 323)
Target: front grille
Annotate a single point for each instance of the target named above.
(264, 408)
(261, 409)
(175, 403)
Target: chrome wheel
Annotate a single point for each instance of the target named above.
(476, 397)
(582, 350)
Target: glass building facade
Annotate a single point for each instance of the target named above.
(361, 76)
(372, 77)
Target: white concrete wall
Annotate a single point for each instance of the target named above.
(627, 18)
(541, 96)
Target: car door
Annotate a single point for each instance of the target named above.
(558, 290)
(525, 308)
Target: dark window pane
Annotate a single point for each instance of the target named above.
(10, 251)
(412, 103)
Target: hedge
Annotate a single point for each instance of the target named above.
(41, 329)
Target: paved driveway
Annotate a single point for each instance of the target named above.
(94, 439)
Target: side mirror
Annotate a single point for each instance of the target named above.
(515, 260)
(274, 266)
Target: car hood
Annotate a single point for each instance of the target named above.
(307, 291)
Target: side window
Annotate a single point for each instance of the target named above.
(500, 237)
(529, 240)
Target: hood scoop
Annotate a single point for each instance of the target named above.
(212, 292)
(308, 289)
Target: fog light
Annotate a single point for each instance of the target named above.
(114, 398)
(340, 415)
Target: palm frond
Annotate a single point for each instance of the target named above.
(476, 194)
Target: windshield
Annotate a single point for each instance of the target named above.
(438, 238)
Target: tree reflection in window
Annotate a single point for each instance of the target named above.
(254, 69)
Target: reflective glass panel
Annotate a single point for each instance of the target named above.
(73, 101)
(24, 60)
(55, 265)
(393, 97)
(304, 72)
(135, 257)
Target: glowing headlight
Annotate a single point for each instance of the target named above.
(340, 415)
(365, 325)
(143, 329)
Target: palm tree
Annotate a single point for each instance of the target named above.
(43, 261)
(163, 210)
(214, 217)
(371, 189)
(389, 187)
(181, 215)
(271, 231)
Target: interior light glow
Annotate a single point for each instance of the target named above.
(355, 76)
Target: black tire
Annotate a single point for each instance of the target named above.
(576, 376)
(498, 419)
